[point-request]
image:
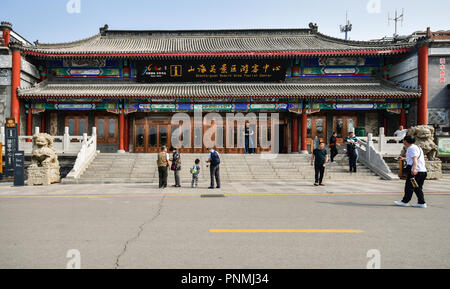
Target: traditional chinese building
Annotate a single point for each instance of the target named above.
(129, 84)
(405, 72)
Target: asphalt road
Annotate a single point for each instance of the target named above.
(174, 231)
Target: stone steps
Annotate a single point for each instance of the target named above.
(141, 168)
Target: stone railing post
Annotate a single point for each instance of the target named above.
(94, 135)
(66, 140)
(36, 130)
(381, 140)
(368, 146)
(2, 135)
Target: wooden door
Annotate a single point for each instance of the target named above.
(77, 124)
(211, 133)
(139, 139)
(107, 128)
(342, 125)
(316, 126)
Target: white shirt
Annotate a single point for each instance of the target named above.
(415, 151)
(401, 133)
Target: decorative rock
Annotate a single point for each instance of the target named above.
(434, 169)
(44, 168)
(424, 135)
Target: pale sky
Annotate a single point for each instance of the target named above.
(52, 21)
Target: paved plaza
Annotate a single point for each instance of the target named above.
(243, 225)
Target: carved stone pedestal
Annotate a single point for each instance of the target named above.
(434, 169)
(43, 175)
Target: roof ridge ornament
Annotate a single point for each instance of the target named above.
(314, 27)
(103, 30)
(5, 25)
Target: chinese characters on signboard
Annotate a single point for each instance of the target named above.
(231, 70)
(11, 146)
(19, 177)
(442, 70)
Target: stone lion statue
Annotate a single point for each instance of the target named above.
(44, 168)
(424, 135)
(43, 153)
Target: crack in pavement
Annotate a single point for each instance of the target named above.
(140, 230)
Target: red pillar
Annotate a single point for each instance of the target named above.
(294, 134)
(303, 131)
(44, 73)
(29, 128)
(43, 122)
(6, 28)
(29, 123)
(126, 134)
(403, 118)
(15, 83)
(422, 109)
(121, 130)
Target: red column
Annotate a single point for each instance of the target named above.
(121, 130)
(29, 123)
(303, 131)
(294, 134)
(422, 109)
(126, 134)
(43, 122)
(15, 83)
(29, 128)
(6, 27)
(6, 37)
(403, 118)
(44, 73)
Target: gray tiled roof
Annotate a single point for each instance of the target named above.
(149, 43)
(310, 88)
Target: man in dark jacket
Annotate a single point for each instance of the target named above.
(214, 161)
(320, 159)
(351, 141)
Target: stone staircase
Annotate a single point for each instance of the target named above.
(141, 168)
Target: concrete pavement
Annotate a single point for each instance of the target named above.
(138, 226)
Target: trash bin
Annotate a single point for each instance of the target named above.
(360, 131)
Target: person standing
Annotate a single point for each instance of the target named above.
(320, 159)
(416, 174)
(214, 161)
(176, 165)
(163, 164)
(195, 171)
(249, 147)
(333, 146)
(351, 141)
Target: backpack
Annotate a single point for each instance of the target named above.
(194, 170)
(215, 160)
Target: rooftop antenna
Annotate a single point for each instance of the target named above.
(347, 27)
(396, 19)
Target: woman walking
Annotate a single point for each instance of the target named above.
(333, 146)
(176, 166)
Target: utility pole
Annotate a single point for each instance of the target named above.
(396, 19)
(347, 27)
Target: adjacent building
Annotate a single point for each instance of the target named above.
(130, 84)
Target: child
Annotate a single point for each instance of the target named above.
(195, 171)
